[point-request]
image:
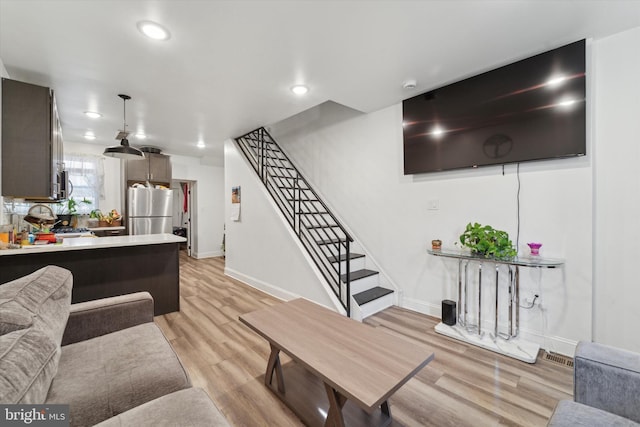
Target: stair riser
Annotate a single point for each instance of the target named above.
(354, 264)
(365, 283)
(377, 305)
(321, 235)
(332, 250)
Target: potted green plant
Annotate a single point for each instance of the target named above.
(486, 241)
(67, 211)
(94, 218)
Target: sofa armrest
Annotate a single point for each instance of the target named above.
(607, 378)
(100, 317)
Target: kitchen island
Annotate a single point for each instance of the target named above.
(107, 266)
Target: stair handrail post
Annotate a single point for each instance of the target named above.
(348, 282)
(296, 191)
(261, 155)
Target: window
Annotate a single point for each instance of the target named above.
(86, 175)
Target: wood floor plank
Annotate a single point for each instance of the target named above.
(463, 386)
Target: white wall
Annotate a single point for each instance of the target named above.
(260, 248)
(355, 162)
(208, 203)
(617, 191)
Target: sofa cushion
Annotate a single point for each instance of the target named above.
(110, 374)
(191, 407)
(572, 414)
(28, 363)
(607, 378)
(41, 299)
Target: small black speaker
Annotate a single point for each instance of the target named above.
(448, 312)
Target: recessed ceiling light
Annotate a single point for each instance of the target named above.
(409, 84)
(141, 135)
(90, 136)
(299, 89)
(153, 30)
(92, 114)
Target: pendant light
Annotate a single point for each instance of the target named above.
(123, 151)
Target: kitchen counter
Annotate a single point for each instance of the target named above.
(119, 227)
(107, 266)
(83, 243)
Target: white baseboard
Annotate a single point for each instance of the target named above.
(260, 285)
(550, 343)
(553, 344)
(421, 307)
(213, 254)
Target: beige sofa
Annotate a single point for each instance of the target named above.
(106, 359)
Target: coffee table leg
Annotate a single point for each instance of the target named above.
(385, 408)
(336, 402)
(274, 365)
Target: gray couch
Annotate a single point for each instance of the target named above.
(106, 359)
(606, 383)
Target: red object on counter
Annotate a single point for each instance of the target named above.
(49, 237)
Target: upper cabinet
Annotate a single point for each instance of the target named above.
(32, 147)
(155, 168)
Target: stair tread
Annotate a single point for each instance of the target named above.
(321, 226)
(291, 187)
(343, 257)
(330, 241)
(371, 295)
(289, 168)
(266, 148)
(359, 274)
(302, 200)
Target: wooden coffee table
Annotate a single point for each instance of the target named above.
(359, 366)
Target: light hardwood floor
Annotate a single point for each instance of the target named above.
(463, 386)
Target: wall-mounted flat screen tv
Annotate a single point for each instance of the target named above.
(532, 109)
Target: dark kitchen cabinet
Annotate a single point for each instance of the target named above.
(155, 168)
(32, 147)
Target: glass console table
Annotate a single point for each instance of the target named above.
(469, 312)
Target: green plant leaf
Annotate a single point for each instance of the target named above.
(487, 241)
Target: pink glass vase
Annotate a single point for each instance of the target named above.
(535, 248)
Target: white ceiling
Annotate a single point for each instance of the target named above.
(229, 65)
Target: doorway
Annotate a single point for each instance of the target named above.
(183, 205)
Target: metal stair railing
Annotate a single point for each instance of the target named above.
(325, 239)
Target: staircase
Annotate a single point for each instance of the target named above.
(327, 242)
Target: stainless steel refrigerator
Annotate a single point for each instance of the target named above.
(150, 210)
